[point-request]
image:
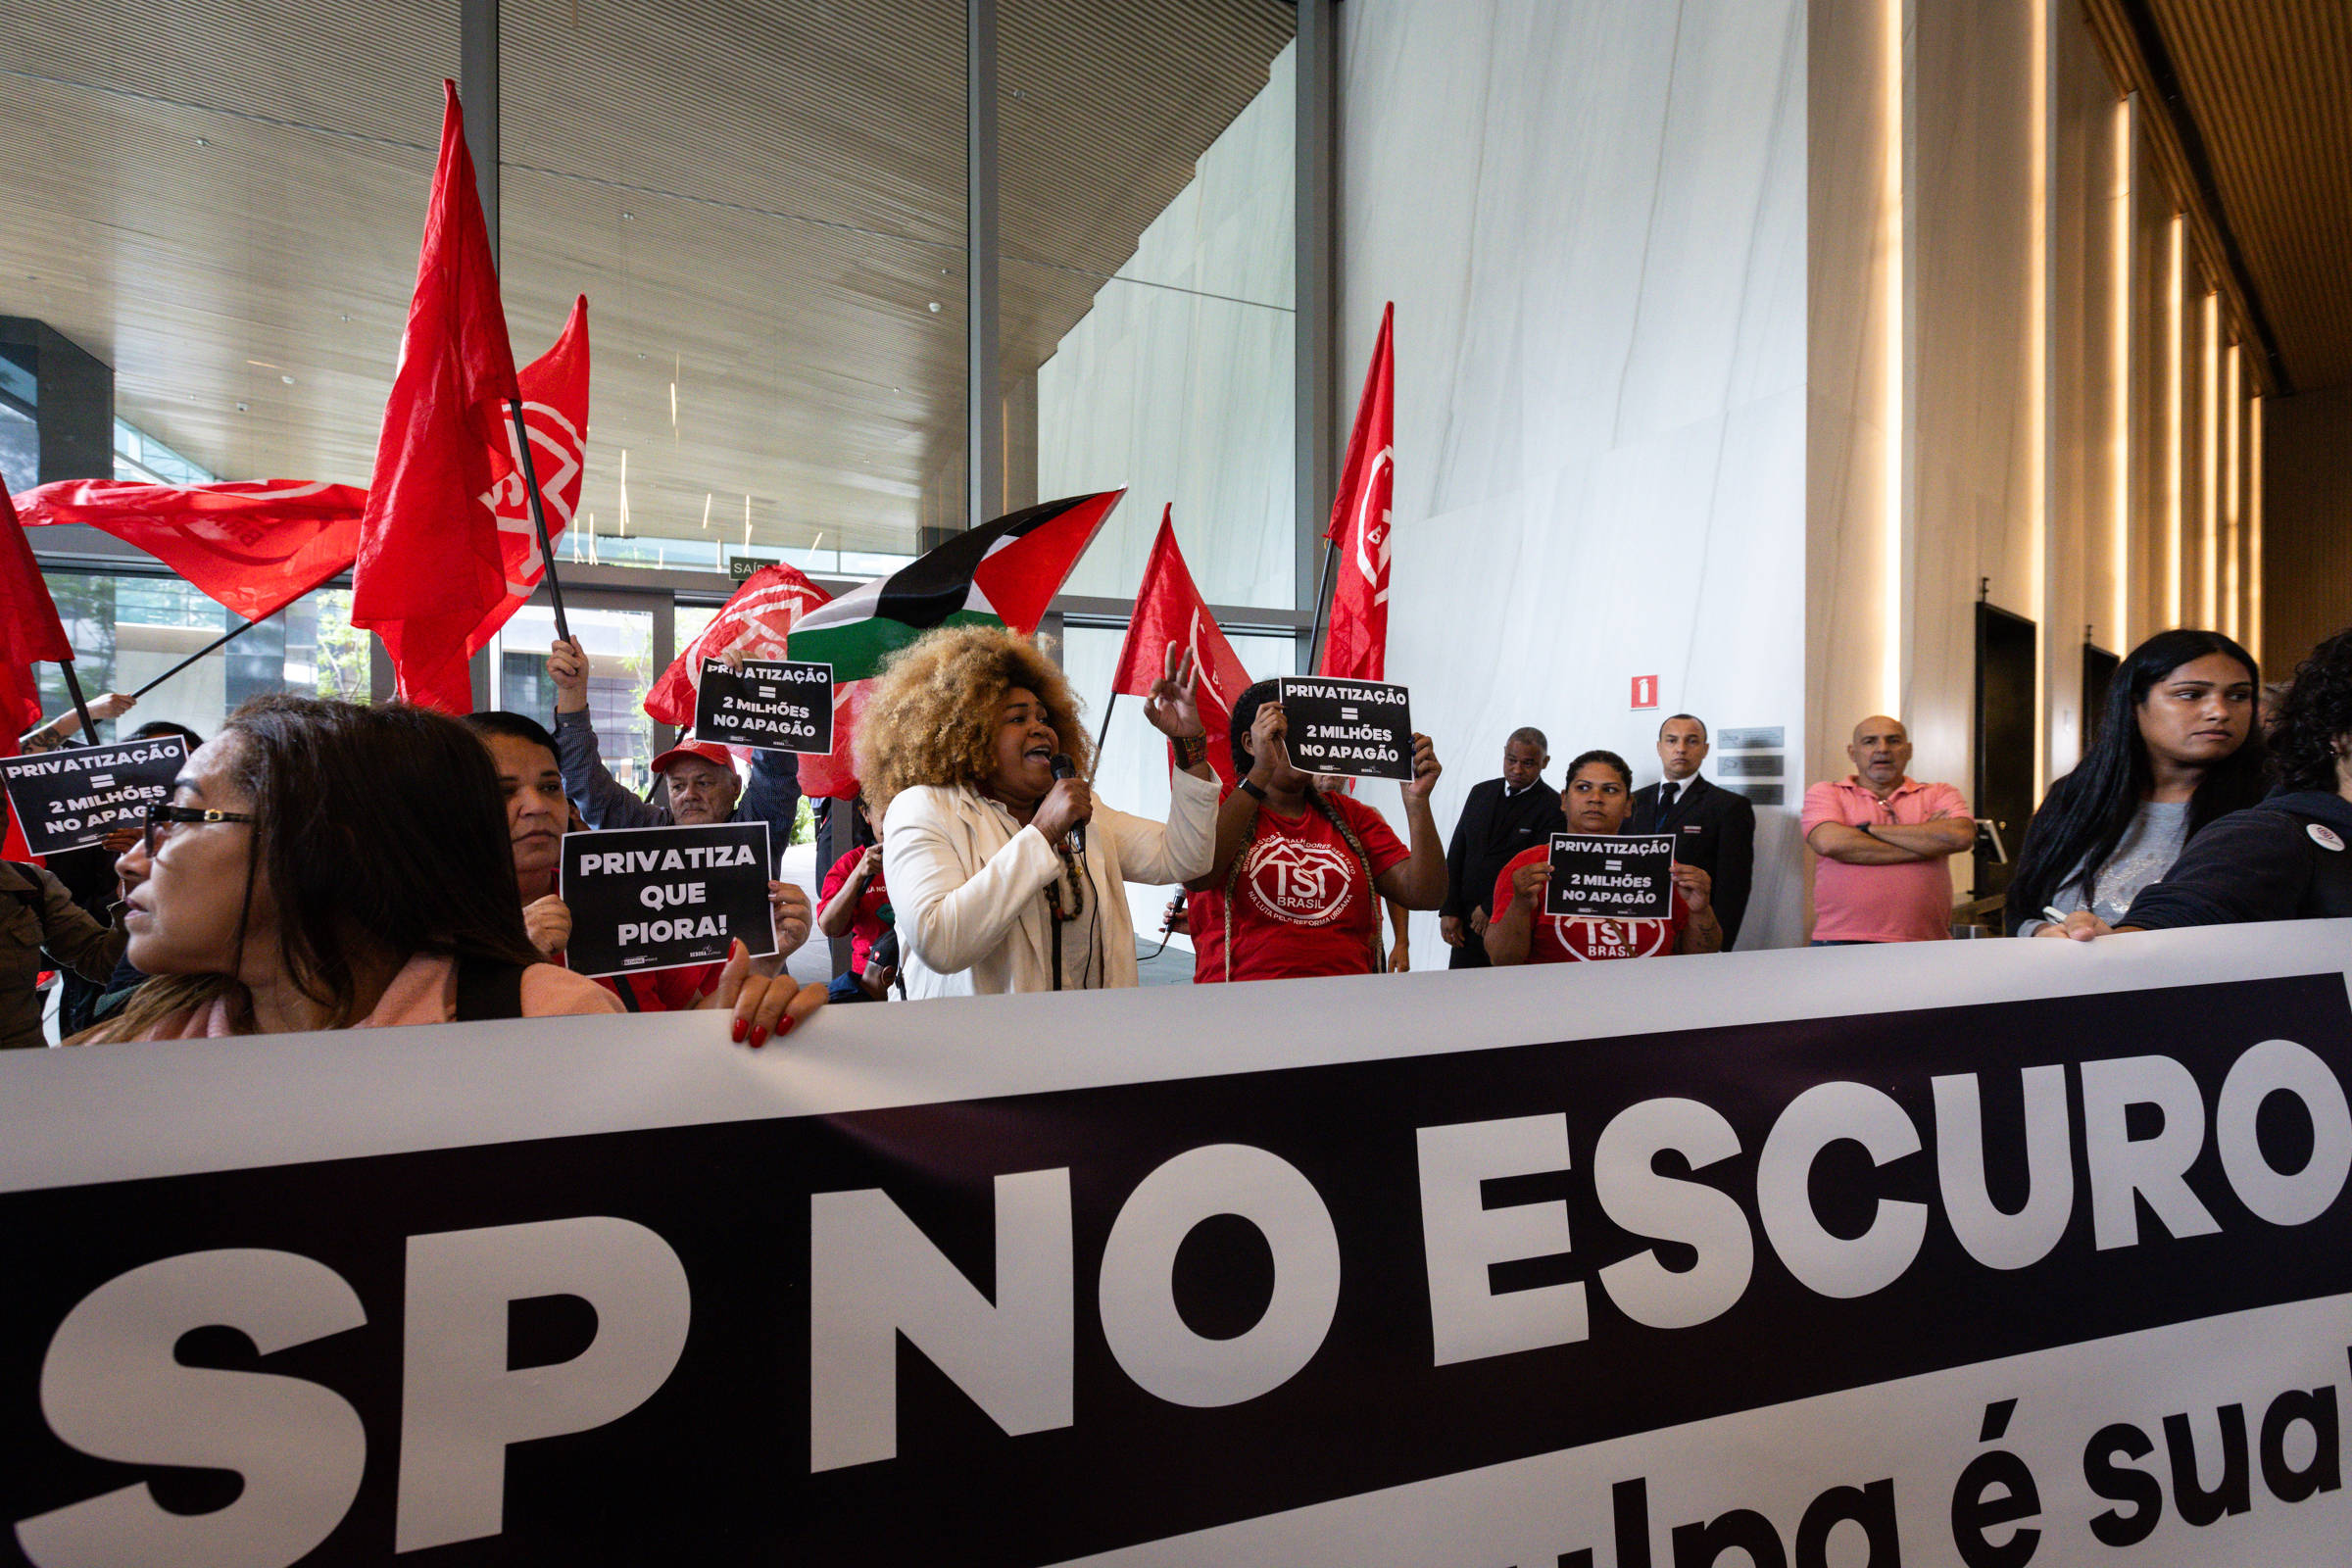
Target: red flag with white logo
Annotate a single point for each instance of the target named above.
(255, 546)
(1357, 643)
(431, 563)
(1169, 608)
(752, 622)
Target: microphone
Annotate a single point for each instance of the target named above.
(1063, 768)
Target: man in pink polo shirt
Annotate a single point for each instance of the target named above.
(1882, 838)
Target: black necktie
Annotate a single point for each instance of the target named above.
(1666, 793)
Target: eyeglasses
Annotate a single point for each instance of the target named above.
(158, 813)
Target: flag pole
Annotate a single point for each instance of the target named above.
(226, 637)
(1314, 643)
(89, 727)
(530, 489)
(1112, 703)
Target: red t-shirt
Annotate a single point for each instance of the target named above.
(1204, 918)
(865, 926)
(1302, 904)
(1584, 938)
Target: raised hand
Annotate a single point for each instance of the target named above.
(1173, 706)
(567, 668)
(1694, 885)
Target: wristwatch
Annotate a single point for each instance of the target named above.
(1255, 790)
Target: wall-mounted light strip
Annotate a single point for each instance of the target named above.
(2232, 410)
(2175, 395)
(2253, 637)
(2209, 431)
(1896, 415)
(2040, 183)
(2120, 282)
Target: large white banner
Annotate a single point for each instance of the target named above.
(1983, 1253)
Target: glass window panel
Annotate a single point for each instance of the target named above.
(620, 670)
(127, 632)
(1148, 276)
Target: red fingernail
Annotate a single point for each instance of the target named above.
(741, 1027)
(784, 1027)
(759, 1036)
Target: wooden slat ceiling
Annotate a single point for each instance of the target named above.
(764, 201)
(2270, 87)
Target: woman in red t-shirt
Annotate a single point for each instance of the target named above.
(1296, 885)
(1598, 799)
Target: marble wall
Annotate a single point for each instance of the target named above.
(1590, 217)
(2307, 561)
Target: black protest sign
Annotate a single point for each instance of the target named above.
(773, 705)
(73, 798)
(662, 897)
(1357, 728)
(1623, 878)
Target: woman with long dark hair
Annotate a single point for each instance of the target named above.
(2175, 748)
(322, 865)
(2290, 856)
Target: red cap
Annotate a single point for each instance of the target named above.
(710, 752)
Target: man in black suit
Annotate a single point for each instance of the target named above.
(1713, 828)
(1501, 818)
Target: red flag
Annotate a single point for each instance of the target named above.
(753, 622)
(1358, 644)
(254, 546)
(1169, 608)
(29, 632)
(432, 564)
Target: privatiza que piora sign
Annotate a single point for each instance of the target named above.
(2051, 1266)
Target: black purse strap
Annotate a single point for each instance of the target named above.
(488, 989)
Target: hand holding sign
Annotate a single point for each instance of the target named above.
(548, 923)
(1426, 769)
(789, 913)
(1528, 884)
(1694, 885)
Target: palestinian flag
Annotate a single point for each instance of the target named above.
(1002, 573)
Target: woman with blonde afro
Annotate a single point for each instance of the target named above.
(1001, 877)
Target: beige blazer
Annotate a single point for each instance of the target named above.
(968, 888)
